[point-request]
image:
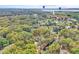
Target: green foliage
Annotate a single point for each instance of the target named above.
(15, 36)
(66, 41)
(20, 48)
(28, 34)
(70, 33)
(74, 50)
(4, 42)
(40, 31)
(4, 21)
(4, 31)
(54, 48)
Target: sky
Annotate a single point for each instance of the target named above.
(39, 2)
(39, 6)
(36, 3)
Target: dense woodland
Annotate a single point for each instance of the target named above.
(38, 32)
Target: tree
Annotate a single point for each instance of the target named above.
(15, 36)
(40, 31)
(74, 47)
(74, 50)
(54, 48)
(4, 31)
(70, 33)
(20, 48)
(3, 42)
(65, 41)
(4, 22)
